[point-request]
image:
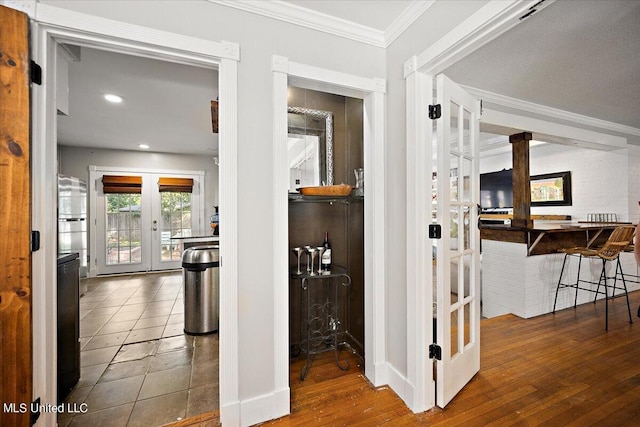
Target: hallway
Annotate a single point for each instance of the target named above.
(138, 368)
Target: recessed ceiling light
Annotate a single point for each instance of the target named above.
(113, 98)
(143, 146)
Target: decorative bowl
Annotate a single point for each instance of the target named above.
(327, 190)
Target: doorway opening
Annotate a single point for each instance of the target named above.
(371, 92)
(326, 308)
(131, 328)
(104, 333)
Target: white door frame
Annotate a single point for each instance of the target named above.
(55, 25)
(486, 24)
(372, 91)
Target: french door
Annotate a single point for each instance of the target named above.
(455, 194)
(136, 225)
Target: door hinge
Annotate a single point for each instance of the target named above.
(435, 111)
(35, 411)
(35, 240)
(36, 73)
(435, 352)
(435, 231)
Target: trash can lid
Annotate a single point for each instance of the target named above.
(201, 255)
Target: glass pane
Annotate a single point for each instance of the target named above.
(454, 333)
(466, 179)
(454, 232)
(454, 272)
(466, 133)
(453, 176)
(434, 280)
(466, 227)
(176, 222)
(136, 254)
(122, 233)
(467, 268)
(467, 325)
(454, 144)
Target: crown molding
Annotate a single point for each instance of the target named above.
(304, 17)
(543, 110)
(405, 19)
(308, 18)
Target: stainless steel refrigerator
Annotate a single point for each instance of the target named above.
(72, 218)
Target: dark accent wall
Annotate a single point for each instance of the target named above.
(343, 219)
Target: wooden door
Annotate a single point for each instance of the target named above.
(15, 221)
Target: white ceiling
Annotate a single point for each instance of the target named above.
(582, 57)
(577, 56)
(166, 105)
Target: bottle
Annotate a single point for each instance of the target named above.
(326, 255)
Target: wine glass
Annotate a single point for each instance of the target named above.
(320, 250)
(312, 253)
(306, 250)
(297, 251)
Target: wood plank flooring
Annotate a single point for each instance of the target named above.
(552, 370)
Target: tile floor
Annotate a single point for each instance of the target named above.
(138, 368)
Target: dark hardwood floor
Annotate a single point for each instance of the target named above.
(552, 370)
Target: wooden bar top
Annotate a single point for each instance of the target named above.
(547, 237)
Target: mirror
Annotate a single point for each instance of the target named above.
(310, 147)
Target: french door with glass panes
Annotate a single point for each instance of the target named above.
(136, 226)
(455, 195)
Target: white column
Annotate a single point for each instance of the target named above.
(280, 67)
(419, 90)
(228, 184)
(375, 235)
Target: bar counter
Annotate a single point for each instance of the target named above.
(521, 266)
(546, 237)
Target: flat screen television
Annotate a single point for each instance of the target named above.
(496, 189)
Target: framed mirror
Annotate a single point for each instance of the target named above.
(310, 147)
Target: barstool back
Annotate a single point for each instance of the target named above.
(620, 238)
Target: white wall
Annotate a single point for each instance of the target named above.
(634, 183)
(259, 38)
(75, 161)
(601, 180)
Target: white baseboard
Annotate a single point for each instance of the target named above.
(230, 414)
(263, 408)
(387, 374)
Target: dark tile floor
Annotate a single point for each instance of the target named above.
(138, 368)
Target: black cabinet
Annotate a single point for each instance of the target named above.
(68, 323)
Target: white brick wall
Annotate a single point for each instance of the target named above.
(526, 286)
(602, 181)
(634, 183)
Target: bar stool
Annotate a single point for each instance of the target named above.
(620, 238)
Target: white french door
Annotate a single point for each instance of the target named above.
(136, 231)
(456, 199)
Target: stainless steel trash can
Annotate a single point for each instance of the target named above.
(201, 286)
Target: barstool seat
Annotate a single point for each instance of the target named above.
(620, 239)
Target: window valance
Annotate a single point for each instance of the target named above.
(175, 185)
(121, 184)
